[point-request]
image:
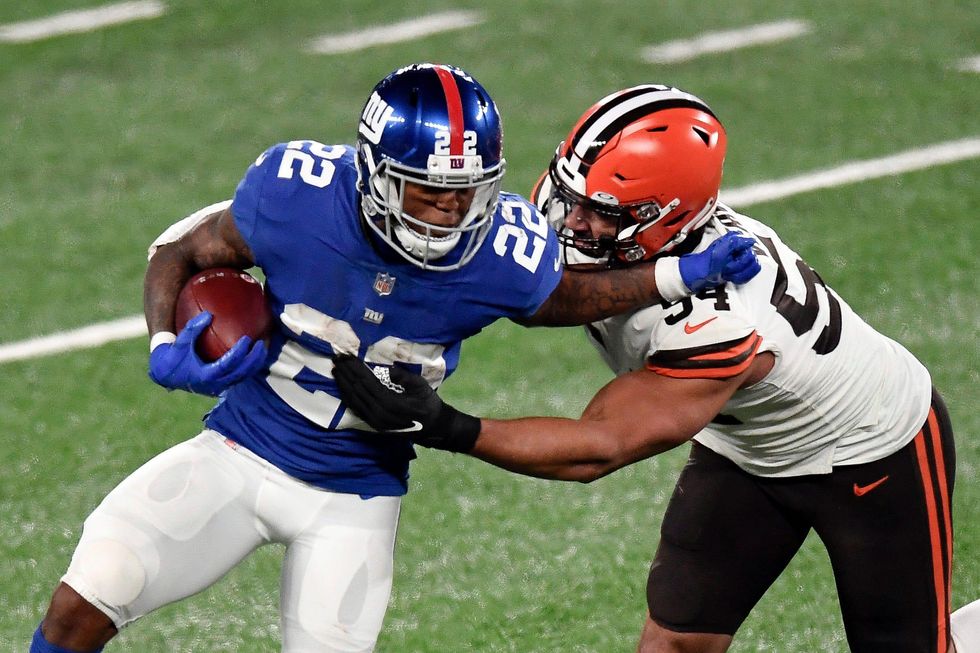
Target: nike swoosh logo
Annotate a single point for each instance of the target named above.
(416, 426)
(691, 328)
(861, 490)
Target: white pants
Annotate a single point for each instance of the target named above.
(185, 518)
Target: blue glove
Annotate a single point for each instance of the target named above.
(178, 367)
(730, 258)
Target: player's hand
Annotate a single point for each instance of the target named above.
(178, 367)
(729, 258)
(393, 400)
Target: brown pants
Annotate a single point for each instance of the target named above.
(887, 526)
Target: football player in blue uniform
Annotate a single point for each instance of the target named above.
(393, 251)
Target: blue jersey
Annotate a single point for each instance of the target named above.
(332, 288)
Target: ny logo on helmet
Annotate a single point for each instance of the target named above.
(375, 118)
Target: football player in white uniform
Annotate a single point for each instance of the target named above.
(802, 416)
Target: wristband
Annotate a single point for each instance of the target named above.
(457, 431)
(670, 284)
(162, 338)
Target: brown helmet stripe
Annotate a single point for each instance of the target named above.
(623, 109)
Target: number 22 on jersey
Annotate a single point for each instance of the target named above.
(321, 407)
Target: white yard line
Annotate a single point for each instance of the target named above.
(84, 20)
(94, 335)
(969, 65)
(685, 49)
(849, 173)
(394, 33)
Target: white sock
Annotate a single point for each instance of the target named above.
(965, 628)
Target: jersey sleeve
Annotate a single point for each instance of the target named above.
(706, 337)
(247, 203)
(538, 253)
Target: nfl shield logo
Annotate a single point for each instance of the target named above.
(384, 283)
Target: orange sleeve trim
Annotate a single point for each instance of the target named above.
(722, 364)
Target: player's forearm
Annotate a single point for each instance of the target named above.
(549, 447)
(211, 243)
(166, 274)
(589, 296)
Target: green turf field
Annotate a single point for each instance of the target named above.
(107, 137)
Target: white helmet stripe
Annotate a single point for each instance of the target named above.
(607, 120)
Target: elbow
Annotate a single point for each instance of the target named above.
(587, 473)
(606, 456)
(542, 317)
(617, 457)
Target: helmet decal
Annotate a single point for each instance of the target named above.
(376, 114)
(454, 107)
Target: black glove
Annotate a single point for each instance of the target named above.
(393, 400)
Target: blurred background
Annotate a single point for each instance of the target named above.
(111, 134)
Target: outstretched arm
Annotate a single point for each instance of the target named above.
(589, 294)
(635, 416)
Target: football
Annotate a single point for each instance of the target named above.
(236, 302)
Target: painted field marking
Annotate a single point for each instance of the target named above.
(969, 65)
(94, 335)
(395, 32)
(83, 20)
(849, 173)
(685, 49)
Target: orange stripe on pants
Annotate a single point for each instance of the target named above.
(938, 568)
(937, 450)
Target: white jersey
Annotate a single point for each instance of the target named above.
(840, 393)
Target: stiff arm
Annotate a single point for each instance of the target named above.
(635, 416)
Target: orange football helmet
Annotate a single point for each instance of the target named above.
(649, 156)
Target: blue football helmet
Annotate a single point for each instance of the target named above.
(433, 125)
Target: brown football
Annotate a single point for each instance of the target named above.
(236, 302)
